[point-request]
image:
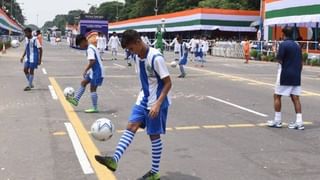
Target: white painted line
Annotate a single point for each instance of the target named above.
(53, 92)
(44, 71)
(121, 66)
(83, 160)
(188, 128)
(237, 106)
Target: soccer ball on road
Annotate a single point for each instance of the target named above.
(102, 129)
(173, 64)
(68, 92)
(15, 43)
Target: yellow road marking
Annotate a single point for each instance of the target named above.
(254, 84)
(307, 123)
(169, 129)
(60, 133)
(241, 125)
(187, 127)
(262, 124)
(244, 79)
(86, 141)
(236, 80)
(214, 126)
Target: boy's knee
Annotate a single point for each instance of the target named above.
(154, 137)
(133, 127)
(294, 98)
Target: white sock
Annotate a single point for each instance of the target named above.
(299, 118)
(277, 116)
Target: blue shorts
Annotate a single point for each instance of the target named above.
(183, 61)
(198, 54)
(28, 65)
(94, 81)
(154, 126)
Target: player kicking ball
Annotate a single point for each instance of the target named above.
(93, 74)
(151, 108)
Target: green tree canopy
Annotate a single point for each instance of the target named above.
(139, 8)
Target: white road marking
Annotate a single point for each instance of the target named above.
(53, 92)
(237, 106)
(44, 71)
(121, 66)
(83, 160)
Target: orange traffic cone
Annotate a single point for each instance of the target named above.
(3, 49)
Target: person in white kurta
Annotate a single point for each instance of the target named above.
(100, 43)
(205, 47)
(192, 44)
(104, 40)
(145, 39)
(176, 47)
(114, 44)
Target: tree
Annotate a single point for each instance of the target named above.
(62, 19)
(109, 10)
(33, 27)
(231, 4)
(73, 16)
(179, 5)
(16, 10)
(47, 25)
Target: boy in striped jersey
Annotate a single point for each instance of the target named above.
(151, 108)
(93, 74)
(32, 57)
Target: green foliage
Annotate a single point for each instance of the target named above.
(259, 54)
(16, 10)
(7, 44)
(264, 58)
(315, 62)
(179, 5)
(305, 57)
(139, 8)
(271, 57)
(231, 4)
(254, 53)
(61, 20)
(73, 16)
(32, 26)
(109, 10)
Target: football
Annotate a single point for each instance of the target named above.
(173, 64)
(68, 92)
(15, 43)
(102, 129)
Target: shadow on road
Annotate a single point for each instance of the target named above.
(178, 176)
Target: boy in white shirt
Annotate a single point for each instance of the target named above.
(114, 43)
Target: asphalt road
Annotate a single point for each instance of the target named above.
(216, 127)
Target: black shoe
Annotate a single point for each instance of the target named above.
(27, 88)
(181, 76)
(107, 161)
(129, 64)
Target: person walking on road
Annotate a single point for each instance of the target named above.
(31, 57)
(288, 80)
(246, 50)
(114, 44)
(183, 56)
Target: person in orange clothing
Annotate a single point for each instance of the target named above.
(246, 50)
(39, 37)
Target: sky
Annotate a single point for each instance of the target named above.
(48, 9)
